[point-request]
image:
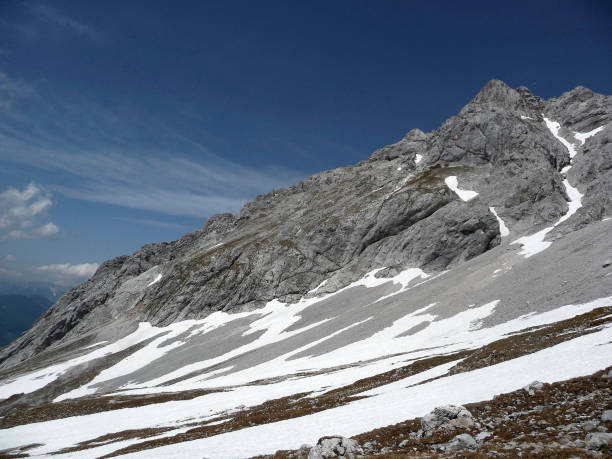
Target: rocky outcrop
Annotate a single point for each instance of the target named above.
(330, 447)
(446, 418)
(393, 209)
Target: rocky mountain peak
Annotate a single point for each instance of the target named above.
(399, 208)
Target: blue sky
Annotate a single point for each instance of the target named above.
(123, 123)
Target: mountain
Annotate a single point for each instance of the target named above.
(447, 268)
(18, 313)
(39, 289)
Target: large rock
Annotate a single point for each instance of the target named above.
(446, 419)
(598, 440)
(329, 447)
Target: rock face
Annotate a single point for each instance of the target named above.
(393, 209)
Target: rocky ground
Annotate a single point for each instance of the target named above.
(569, 419)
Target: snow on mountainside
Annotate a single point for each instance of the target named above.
(447, 268)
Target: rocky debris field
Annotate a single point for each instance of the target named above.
(568, 419)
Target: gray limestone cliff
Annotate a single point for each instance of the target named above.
(391, 210)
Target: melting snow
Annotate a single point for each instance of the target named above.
(418, 158)
(386, 405)
(396, 402)
(503, 229)
(535, 243)
(523, 117)
(453, 184)
(554, 128)
(156, 280)
(585, 135)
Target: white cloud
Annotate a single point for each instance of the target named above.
(10, 257)
(48, 230)
(66, 273)
(21, 211)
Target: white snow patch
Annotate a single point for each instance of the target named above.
(585, 135)
(399, 168)
(554, 128)
(523, 117)
(535, 243)
(95, 344)
(156, 280)
(395, 402)
(38, 379)
(387, 405)
(320, 286)
(503, 229)
(574, 203)
(453, 184)
(418, 158)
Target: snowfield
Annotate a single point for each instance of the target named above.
(402, 341)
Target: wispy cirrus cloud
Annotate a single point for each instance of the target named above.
(102, 157)
(21, 212)
(150, 222)
(35, 19)
(61, 19)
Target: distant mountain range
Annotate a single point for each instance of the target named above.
(18, 313)
(47, 290)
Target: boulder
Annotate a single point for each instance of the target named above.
(460, 442)
(329, 447)
(532, 387)
(446, 418)
(598, 440)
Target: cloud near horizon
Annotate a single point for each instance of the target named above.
(21, 212)
(66, 274)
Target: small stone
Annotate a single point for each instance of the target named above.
(607, 263)
(461, 441)
(483, 436)
(589, 425)
(606, 416)
(403, 443)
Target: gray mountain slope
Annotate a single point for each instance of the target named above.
(391, 210)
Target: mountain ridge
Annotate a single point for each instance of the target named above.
(444, 270)
(212, 270)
